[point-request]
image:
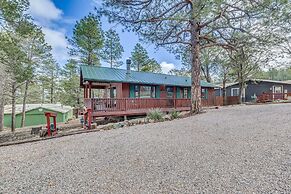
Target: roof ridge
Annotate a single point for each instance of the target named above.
(134, 71)
(107, 74)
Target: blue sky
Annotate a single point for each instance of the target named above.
(58, 17)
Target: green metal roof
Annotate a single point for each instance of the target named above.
(105, 74)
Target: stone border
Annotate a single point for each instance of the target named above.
(109, 126)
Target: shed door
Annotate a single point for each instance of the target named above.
(277, 92)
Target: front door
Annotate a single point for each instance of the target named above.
(170, 96)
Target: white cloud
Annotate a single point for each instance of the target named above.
(97, 2)
(166, 67)
(44, 10)
(48, 16)
(57, 39)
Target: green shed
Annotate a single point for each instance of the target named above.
(35, 114)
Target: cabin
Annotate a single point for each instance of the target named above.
(261, 90)
(122, 92)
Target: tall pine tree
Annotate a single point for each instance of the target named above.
(112, 50)
(87, 40)
(142, 62)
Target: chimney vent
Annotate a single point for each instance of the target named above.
(128, 62)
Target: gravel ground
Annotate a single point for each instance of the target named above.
(242, 149)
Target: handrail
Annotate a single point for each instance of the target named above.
(126, 104)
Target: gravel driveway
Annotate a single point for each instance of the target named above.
(242, 149)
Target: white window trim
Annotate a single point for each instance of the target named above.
(282, 87)
(232, 89)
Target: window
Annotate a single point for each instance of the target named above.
(170, 92)
(112, 92)
(136, 91)
(144, 91)
(147, 92)
(204, 93)
(185, 93)
(234, 91)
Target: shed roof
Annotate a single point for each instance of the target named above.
(105, 74)
(262, 80)
(53, 107)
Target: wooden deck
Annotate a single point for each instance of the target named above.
(270, 97)
(102, 107)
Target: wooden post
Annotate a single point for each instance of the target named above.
(48, 122)
(55, 125)
(89, 118)
(90, 89)
(86, 91)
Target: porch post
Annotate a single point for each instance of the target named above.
(55, 124)
(174, 95)
(48, 125)
(89, 118)
(105, 92)
(90, 89)
(85, 90)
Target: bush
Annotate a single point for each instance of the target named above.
(174, 114)
(155, 114)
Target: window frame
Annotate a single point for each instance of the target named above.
(185, 93)
(168, 92)
(137, 91)
(204, 93)
(232, 91)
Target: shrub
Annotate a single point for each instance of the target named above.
(174, 114)
(155, 114)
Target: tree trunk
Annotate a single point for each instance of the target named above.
(206, 73)
(2, 105)
(52, 90)
(208, 77)
(241, 91)
(13, 102)
(195, 70)
(52, 95)
(24, 104)
(241, 83)
(1, 112)
(42, 95)
(224, 92)
(111, 60)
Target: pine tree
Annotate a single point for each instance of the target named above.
(112, 50)
(142, 62)
(87, 40)
(195, 23)
(70, 84)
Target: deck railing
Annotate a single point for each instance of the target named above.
(268, 97)
(127, 104)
